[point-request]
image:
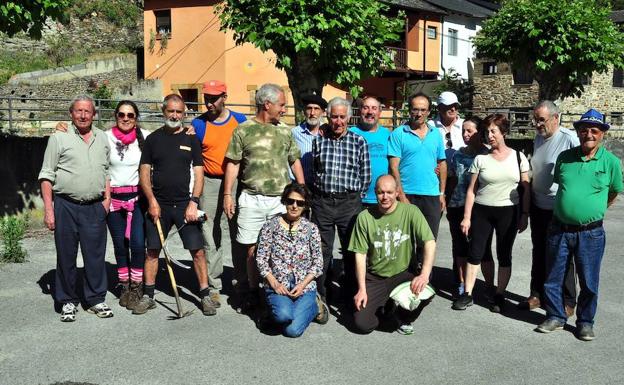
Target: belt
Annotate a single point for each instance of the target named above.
(81, 202)
(346, 194)
(124, 189)
(576, 228)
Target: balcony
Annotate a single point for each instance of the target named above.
(399, 56)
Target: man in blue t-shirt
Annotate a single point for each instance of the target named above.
(415, 150)
(377, 139)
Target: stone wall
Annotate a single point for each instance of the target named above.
(498, 91)
(90, 35)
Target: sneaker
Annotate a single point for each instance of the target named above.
(125, 293)
(499, 304)
(208, 307)
(101, 310)
(462, 302)
(406, 329)
(216, 298)
(68, 313)
(323, 313)
(550, 325)
(490, 292)
(136, 292)
(145, 303)
(585, 332)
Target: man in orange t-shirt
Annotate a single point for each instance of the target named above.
(214, 130)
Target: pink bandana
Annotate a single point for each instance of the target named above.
(126, 139)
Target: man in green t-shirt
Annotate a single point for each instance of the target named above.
(384, 240)
(589, 178)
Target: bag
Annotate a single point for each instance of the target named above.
(520, 187)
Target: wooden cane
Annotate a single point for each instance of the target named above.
(170, 270)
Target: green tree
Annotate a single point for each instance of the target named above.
(317, 41)
(559, 43)
(30, 15)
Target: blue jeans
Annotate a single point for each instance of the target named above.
(295, 315)
(117, 226)
(587, 248)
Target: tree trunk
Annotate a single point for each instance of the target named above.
(303, 80)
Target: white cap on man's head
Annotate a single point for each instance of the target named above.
(448, 98)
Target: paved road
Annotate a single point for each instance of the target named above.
(474, 346)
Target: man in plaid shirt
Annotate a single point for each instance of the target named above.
(342, 174)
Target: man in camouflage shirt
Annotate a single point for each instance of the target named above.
(260, 152)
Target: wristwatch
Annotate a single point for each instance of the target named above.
(195, 199)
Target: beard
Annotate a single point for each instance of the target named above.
(313, 122)
(171, 123)
(366, 126)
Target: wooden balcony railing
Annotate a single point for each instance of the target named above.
(399, 56)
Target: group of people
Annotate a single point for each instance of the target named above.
(281, 194)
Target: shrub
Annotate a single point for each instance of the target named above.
(122, 13)
(12, 229)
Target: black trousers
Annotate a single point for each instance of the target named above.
(331, 214)
(460, 244)
(540, 220)
(429, 205)
(378, 290)
(84, 225)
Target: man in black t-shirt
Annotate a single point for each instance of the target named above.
(168, 155)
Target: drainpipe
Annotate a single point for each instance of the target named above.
(424, 46)
(442, 46)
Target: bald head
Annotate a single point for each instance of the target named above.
(386, 192)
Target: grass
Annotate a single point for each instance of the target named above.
(12, 63)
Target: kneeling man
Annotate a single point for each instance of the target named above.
(384, 240)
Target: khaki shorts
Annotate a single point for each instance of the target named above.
(253, 212)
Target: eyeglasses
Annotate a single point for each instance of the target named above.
(123, 115)
(537, 122)
(449, 141)
(291, 201)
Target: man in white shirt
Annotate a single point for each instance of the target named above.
(550, 141)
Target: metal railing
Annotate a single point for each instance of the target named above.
(38, 116)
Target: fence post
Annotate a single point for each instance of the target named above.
(10, 114)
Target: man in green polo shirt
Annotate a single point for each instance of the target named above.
(384, 240)
(76, 197)
(589, 178)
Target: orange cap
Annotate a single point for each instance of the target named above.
(214, 87)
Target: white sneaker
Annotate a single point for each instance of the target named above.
(101, 310)
(68, 313)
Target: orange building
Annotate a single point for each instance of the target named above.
(184, 47)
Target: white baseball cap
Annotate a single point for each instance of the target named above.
(448, 98)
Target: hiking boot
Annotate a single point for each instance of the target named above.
(208, 307)
(68, 313)
(462, 302)
(101, 310)
(406, 329)
(323, 313)
(499, 304)
(585, 332)
(216, 299)
(531, 303)
(125, 293)
(136, 292)
(145, 303)
(250, 303)
(550, 325)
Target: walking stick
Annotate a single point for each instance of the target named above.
(181, 313)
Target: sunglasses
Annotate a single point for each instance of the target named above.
(123, 115)
(212, 99)
(291, 201)
(449, 142)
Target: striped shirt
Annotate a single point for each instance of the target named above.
(304, 138)
(341, 164)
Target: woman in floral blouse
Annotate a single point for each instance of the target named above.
(289, 259)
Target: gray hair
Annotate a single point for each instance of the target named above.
(338, 101)
(82, 98)
(268, 92)
(549, 105)
(174, 97)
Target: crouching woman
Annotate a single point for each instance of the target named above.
(289, 258)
